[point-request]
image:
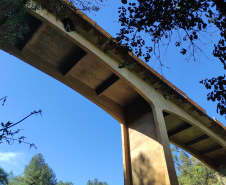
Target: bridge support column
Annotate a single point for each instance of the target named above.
(147, 158)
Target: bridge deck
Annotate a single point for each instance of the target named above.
(57, 53)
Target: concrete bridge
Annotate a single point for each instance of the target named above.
(151, 110)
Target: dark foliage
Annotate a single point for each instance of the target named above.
(7, 135)
(158, 19)
(13, 14)
(96, 182)
(13, 18)
(219, 85)
(187, 19)
(192, 171)
(124, 1)
(3, 177)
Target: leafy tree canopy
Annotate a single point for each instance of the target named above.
(15, 180)
(3, 177)
(192, 171)
(160, 19)
(14, 18)
(64, 183)
(189, 21)
(37, 172)
(96, 182)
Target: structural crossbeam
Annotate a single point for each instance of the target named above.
(106, 84)
(75, 56)
(212, 149)
(34, 25)
(196, 140)
(180, 129)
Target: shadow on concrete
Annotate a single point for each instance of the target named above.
(142, 170)
(139, 117)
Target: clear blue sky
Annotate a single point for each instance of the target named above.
(78, 140)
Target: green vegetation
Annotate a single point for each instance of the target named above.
(15, 180)
(95, 182)
(64, 183)
(189, 171)
(3, 177)
(192, 171)
(14, 17)
(37, 172)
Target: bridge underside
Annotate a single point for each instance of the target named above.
(194, 141)
(54, 52)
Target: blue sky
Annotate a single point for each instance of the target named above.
(78, 140)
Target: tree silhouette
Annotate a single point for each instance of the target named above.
(188, 21)
(7, 135)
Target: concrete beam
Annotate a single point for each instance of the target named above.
(220, 162)
(106, 84)
(146, 151)
(196, 140)
(36, 27)
(75, 56)
(212, 149)
(180, 129)
(170, 173)
(205, 159)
